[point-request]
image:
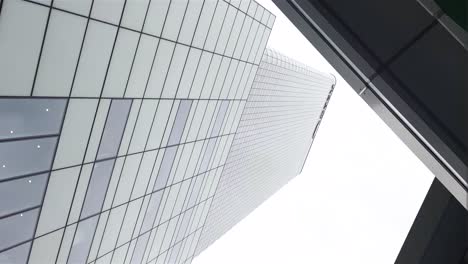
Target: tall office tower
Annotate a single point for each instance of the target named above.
(409, 61)
(277, 128)
(116, 118)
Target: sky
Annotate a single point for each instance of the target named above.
(356, 198)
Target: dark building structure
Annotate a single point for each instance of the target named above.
(439, 232)
(408, 60)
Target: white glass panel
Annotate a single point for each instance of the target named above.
(60, 54)
(20, 44)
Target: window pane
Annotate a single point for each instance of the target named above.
(16, 255)
(140, 249)
(97, 188)
(30, 117)
(82, 241)
(166, 166)
(26, 156)
(207, 156)
(114, 128)
(219, 118)
(180, 120)
(22, 193)
(17, 228)
(151, 212)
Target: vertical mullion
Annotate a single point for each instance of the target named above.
(42, 48)
(136, 121)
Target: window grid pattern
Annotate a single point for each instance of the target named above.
(119, 116)
(282, 113)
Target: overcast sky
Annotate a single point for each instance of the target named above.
(356, 198)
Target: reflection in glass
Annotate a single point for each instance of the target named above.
(20, 194)
(219, 118)
(114, 128)
(179, 123)
(16, 255)
(97, 188)
(30, 117)
(207, 156)
(151, 213)
(165, 169)
(17, 228)
(82, 242)
(26, 156)
(140, 249)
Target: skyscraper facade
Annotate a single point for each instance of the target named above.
(116, 121)
(282, 114)
(125, 125)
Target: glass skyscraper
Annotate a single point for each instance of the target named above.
(282, 113)
(119, 119)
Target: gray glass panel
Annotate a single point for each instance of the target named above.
(22, 193)
(165, 168)
(179, 123)
(219, 118)
(17, 228)
(184, 224)
(196, 190)
(30, 117)
(151, 211)
(140, 249)
(16, 255)
(97, 188)
(114, 128)
(82, 242)
(174, 252)
(207, 155)
(26, 156)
